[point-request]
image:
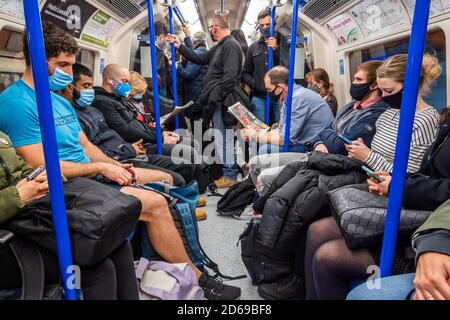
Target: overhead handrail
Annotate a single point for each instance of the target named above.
(151, 28)
(291, 76)
(49, 144)
(408, 108)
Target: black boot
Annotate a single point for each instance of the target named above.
(290, 288)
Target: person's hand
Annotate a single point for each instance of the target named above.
(321, 148)
(186, 30)
(358, 150)
(140, 149)
(173, 39)
(116, 173)
(130, 168)
(432, 276)
(170, 137)
(248, 134)
(272, 43)
(34, 189)
(380, 188)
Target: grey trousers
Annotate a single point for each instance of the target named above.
(265, 168)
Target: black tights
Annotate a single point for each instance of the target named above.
(329, 265)
(111, 279)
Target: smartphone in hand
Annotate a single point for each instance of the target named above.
(345, 139)
(372, 174)
(35, 173)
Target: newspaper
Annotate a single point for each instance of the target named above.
(175, 111)
(246, 118)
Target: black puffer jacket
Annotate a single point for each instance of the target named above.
(302, 198)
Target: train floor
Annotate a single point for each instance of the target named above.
(219, 236)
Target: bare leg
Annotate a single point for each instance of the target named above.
(149, 175)
(163, 234)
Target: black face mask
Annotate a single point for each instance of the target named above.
(314, 88)
(360, 91)
(394, 100)
(273, 96)
(265, 32)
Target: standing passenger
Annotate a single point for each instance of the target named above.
(222, 89)
(256, 66)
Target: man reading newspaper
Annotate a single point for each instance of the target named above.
(309, 116)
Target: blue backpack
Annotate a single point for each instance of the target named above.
(182, 204)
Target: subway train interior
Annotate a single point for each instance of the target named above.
(249, 168)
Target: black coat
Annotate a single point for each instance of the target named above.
(97, 131)
(430, 188)
(222, 81)
(121, 117)
(302, 197)
(256, 63)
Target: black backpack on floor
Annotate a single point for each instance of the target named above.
(263, 264)
(237, 198)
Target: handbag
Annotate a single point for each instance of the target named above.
(100, 219)
(159, 280)
(361, 216)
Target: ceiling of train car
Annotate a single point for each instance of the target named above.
(237, 8)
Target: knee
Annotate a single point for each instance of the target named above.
(168, 178)
(326, 257)
(154, 205)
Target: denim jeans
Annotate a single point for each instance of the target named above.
(260, 109)
(391, 288)
(273, 148)
(225, 152)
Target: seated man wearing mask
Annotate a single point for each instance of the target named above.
(81, 94)
(121, 116)
(310, 115)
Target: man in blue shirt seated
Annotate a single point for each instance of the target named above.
(80, 158)
(310, 115)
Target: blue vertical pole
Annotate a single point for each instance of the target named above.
(151, 28)
(174, 68)
(408, 108)
(179, 15)
(291, 76)
(47, 124)
(270, 62)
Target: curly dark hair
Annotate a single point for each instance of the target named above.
(56, 41)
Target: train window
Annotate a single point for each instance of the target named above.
(12, 62)
(87, 58)
(435, 45)
(11, 43)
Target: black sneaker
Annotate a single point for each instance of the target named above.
(214, 288)
(289, 288)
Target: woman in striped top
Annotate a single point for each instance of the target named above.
(329, 265)
(390, 78)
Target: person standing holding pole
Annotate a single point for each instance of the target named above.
(256, 66)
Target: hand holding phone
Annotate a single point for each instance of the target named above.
(372, 174)
(35, 173)
(345, 139)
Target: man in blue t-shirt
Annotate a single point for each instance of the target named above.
(80, 158)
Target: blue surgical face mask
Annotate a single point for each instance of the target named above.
(59, 80)
(138, 97)
(122, 89)
(86, 98)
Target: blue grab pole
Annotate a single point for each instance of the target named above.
(179, 15)
(174, 68)
(151, 27)
(270, 62)
(47, 125)
(291, 76)
(408, 108)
